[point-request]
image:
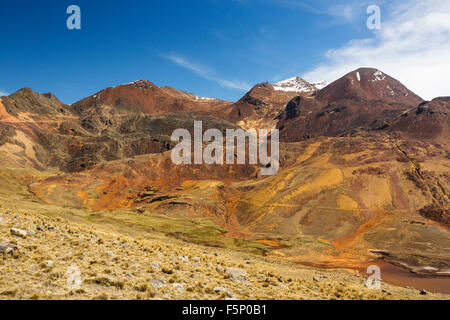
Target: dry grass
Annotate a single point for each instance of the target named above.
(117, 266)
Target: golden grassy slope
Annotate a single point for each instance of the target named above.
(118, 266)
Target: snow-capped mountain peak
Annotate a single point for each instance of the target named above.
(295, 84)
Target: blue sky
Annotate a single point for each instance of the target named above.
(216, 48)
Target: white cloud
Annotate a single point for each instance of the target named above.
(207, 73)
(3, 93)
(413, 46)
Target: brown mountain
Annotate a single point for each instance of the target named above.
(26, 101)
(368, 84)
(430, 121)
(353, 102)
(143, 96)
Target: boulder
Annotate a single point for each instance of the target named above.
(238, 275)
(18, 233)
(236, 272)
(220, 290)
(49, 263)
(220, 269)
(154, 266)
(12, 249)
(263, 277)
(158, 283)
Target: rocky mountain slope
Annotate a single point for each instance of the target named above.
(359, 100)
(429, 121)
(116, 123)
(260, 107)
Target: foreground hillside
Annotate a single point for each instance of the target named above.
(113, 265)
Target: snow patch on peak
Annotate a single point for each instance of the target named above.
(319, 84)
(358, 76)
(203, 99)
(378, 73)
(379, 76)
(295, 84)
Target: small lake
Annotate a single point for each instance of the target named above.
(403, 278)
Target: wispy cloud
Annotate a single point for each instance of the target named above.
(3, 93)
(206, 72)
(413, 46)
(341, 12)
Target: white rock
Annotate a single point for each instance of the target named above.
(158, 283)
(109, 253)
(18, 233)
(49, 263)
(236, 272)
(154, 265)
